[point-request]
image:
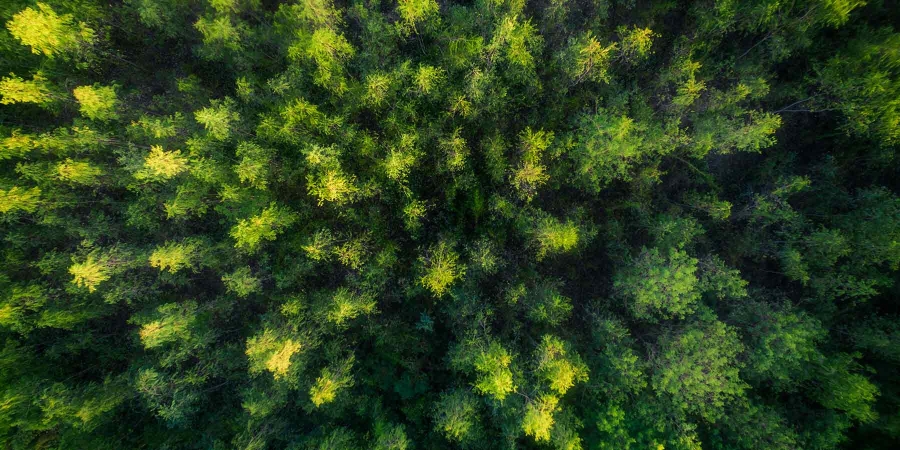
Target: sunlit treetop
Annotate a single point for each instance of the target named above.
(89, 273)
(161, 165)
(268, 352)
(14, 89)
(47, 32)
(19, 199)
(441, 268)
(97, 102)
(80, 172)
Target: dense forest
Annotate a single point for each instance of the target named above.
(421, 224)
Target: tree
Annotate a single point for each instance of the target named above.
(218, 119)
(608, 148)
(531, 175)
(270, 352)
(250, 233)
(79, 172)
(331, 381)
(415, 11)
(221, 35)
(847, 391)
(17, 90)
(97, 102)
(90, 273)
(558, 365)
(782, 342)
(19, 199)
(494, 376)
(441, 268)
(697, 368)
(586, 59)
(470, 224)
(390, 437)
(160, 165)
(553, 237)
(345, 306)
(175, 256)
(455, 415)
(538, 420)
(241, 282)
(48, 33)
(660, 287)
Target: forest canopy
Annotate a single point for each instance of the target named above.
(421, 224)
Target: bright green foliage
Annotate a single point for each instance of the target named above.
(415, 11)
(16, 145)
(269, 352)
(218, 119)
(494, 375)
(346, 306)
(220, 35)
(332, 186)
(794, 266)
(455, 415)
(161, 165)
(97, 102)
(331, 381)
(587, 59)
(250, 233)
(456, 152)
(413, 213)
(398, 164)
(19, 199)
(675, 232)
(538, 420)
(352, 253)
(752, 133)
(14, 89)
(553, 237)
(242, 282)
(328, 50)
(89, 273)
(423, 224)
(715, 208)
(174, 324)
(531, 174)
(863, 78)
(608, 147)
(377, 89)
(548, 306)
(254, 165)
(697, 367)
(174, 256)
(158, 127)
(689, 88)
(558, 366)
(79, 172)
(847, 391)
(428, 78)
(320, 246)
(516, 40)
(635, 43)
(656, 286)
(441, 268)
(48, 33)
